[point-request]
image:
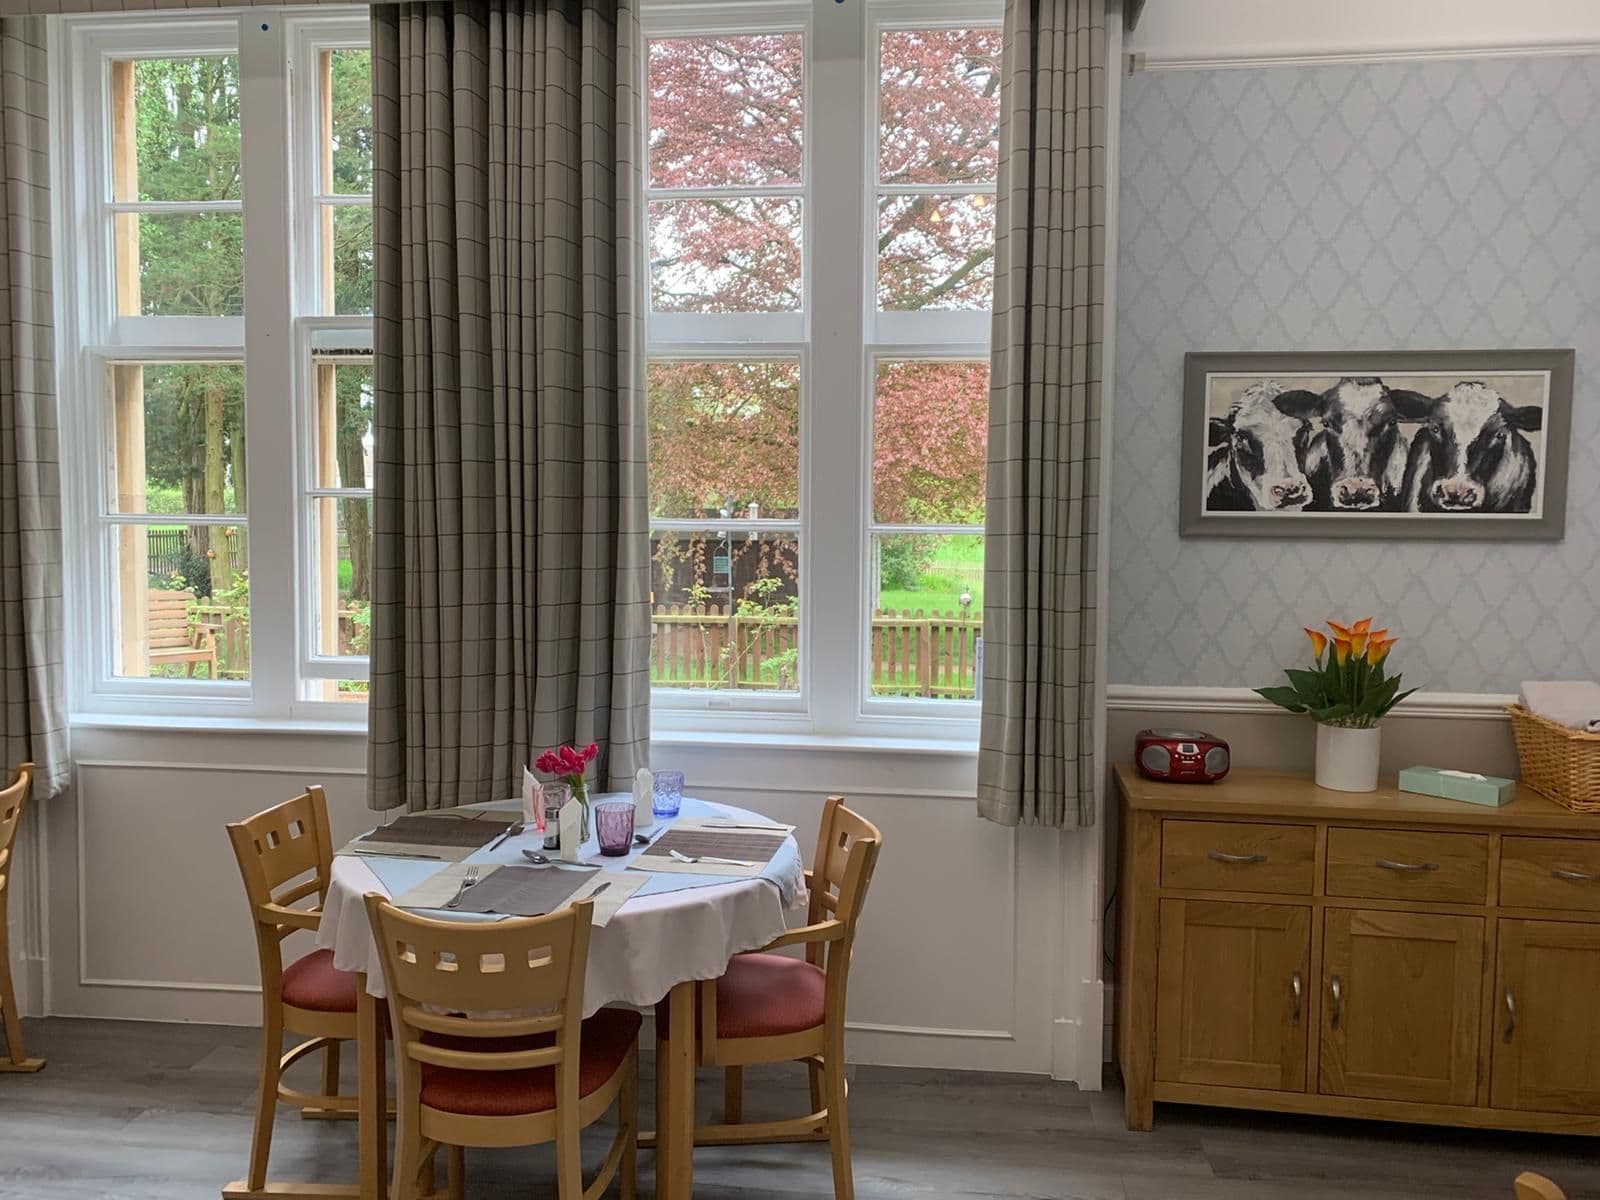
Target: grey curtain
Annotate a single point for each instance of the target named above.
(510, 608)
(33, 719)
(1036, 754)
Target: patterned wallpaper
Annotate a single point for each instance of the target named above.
(1406, 206)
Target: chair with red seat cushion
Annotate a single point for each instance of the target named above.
(770, 1008)
(13, 797)
(285, 856)
(517, 1080)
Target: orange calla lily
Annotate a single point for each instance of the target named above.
(1341, 650)
(1358, 642)
(1339, 631)
(1319, 641)
(1378, 649)
(1362, 626)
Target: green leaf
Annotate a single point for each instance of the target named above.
(1333, 712)
(1310, 685)
(1397, 699)
(1283, 697)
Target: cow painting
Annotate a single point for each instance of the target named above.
(1434, 444)
(1469, 453)
(1254, 461)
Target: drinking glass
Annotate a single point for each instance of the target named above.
(613, 822)
(666, 797)
(556, 795)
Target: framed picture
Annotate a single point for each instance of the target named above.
(1385, 444)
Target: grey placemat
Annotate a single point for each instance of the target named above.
(523, 891)
(741, 845)
(438, 831)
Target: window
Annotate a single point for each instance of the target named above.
(224, 488)
(821, 245)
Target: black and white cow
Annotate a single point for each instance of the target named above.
(1254, 462)
(1469, 454)
(1355, 451)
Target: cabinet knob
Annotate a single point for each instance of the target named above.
(1336, 1011)
(1511, 1016)
(1223, 856)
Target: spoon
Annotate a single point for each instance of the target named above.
(540, 860)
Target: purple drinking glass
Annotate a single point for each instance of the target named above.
(613, 821)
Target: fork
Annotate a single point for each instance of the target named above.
(706, 858)
(467, 880)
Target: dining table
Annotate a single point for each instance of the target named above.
(679, 927)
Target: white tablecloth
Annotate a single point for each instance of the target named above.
(654, 942)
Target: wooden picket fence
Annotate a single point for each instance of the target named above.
(912, 653)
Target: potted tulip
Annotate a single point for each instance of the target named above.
(1346, 692)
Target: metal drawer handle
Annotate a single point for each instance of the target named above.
(1336, 986)
(1295, 985)
(1388, 864)
(1575, 876)
(1223, 856)
(1511, 1016)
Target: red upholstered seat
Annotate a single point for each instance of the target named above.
(768, 995)
(313, 982)
(607, 1037)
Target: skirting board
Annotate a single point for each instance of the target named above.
(1123, 697)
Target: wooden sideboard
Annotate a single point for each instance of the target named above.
(1383, 955)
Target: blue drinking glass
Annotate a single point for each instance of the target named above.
(666, 797)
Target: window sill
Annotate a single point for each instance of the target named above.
(176, 723)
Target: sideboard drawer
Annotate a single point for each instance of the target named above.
(1408, 864)
(1538, 872)
(1229, 856)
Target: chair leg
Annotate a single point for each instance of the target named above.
(427, 1183)
(330, 1069)
(408, 1158)
(628, 1119)
(569, 1156)
(266, 1100)
(456, 1173)
(844, 1187)
(733, 1095)
(814, 1071)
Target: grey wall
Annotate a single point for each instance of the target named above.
(1398, 206)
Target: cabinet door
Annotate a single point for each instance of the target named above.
(1547, 1027)
(1401, 994)
(1230, 994)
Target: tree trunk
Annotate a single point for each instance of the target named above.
(215, 496)
(236, 469)
(353, 473)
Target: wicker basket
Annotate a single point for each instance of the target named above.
(1558, 762)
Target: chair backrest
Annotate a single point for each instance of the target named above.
(13, 797)
(1536, 1187)
(436, 970)
(169, 620)
(841, 872)
(285, 854)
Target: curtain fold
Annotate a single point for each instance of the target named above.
(33, 720)
(510, 606)
(1036, 752)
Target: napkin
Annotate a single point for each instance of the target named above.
(532, 800)
(1573, 703)
(644, 788)
(571, 828)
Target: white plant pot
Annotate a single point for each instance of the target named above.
(1347, 759)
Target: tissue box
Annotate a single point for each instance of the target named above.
(1458, 785)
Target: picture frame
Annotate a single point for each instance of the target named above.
(1353, 444)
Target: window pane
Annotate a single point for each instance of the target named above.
(939, 106)
(176, 129)
(343, 423)
(347, 129)
(721, 256)
(180, 264)
(935, 252)
(725, 610)
(178, 437)
(930, 437)
(343, 549)
(346, 259)
(927, 615)
(353, 691)
(725, 439)
(725, 110)
(181, 601)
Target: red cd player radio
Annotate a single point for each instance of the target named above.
(1181, 756)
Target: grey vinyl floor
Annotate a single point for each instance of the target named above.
(141, 1111)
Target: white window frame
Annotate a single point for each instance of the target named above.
(90, 335)
(842, 337)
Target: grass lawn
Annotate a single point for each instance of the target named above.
(956, 565)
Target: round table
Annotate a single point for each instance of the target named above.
(658, 944)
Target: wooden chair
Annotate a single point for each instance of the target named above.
(286, 856)
(13, 798)
(174, 639)
(1536, 1187)
(771, 1008)
(503, 1080)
